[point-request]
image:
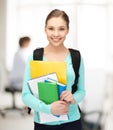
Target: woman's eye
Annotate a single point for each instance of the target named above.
(50, 28)
(61, 29)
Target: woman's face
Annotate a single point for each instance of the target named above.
(56, 31)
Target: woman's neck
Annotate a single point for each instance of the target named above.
(55, 49)
(53, 53)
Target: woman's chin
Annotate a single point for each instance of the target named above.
(56, 44)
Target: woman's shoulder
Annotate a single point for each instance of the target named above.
(73, 49)
(30, 57)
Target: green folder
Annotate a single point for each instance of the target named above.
(48, 92)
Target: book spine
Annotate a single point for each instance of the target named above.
(61, 89)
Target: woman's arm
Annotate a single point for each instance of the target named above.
(30, 100)
(80, 93)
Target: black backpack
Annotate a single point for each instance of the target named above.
(76, 57)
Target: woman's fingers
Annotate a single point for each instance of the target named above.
(62, 102)
(67, 96)
(59, 108)
(64, 94)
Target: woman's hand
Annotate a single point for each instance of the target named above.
(59, 108)
(67, 96)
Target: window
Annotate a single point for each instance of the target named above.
(92, 34)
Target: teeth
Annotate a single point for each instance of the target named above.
(56, 39)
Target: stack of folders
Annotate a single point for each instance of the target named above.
(48, 90)
(47, 83)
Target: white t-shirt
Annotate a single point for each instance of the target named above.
(19, 63)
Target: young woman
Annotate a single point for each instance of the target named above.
(56, 29)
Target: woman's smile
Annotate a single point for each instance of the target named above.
(56, 39)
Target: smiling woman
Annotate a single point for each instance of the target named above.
(56, 29)
(57, 32)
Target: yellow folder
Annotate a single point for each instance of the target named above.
(40, 68)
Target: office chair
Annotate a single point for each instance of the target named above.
(1, 113)
(13, 91)
(90, 125)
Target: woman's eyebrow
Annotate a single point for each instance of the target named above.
(62, 26)
(58, 26)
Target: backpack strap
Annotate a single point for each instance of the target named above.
(76, 57)
(38, 54)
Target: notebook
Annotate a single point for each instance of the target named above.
(48, 92)
(33, 82)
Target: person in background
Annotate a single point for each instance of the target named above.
(20, 58)
(56, 29)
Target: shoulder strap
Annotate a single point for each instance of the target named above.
(76, 57)
(38, 54)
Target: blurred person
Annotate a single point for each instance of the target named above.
(56, 29)
(20, 58)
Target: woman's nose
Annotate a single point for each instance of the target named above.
(56, 33)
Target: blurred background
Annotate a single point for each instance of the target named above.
(91, 31)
